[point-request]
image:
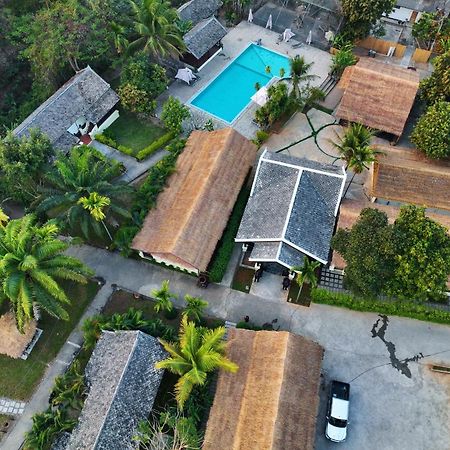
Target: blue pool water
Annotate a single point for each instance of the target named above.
(228, 94)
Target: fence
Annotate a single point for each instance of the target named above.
(381, 46)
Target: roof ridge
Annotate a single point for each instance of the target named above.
(138, 334)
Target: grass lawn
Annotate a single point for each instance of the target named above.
(20, 378)
(243, 279)
(132, 132)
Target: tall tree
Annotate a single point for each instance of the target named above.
(362, 15)
(355, 149)
(422, 257)
(436, 87)
(197, 352)
(368, 251)
(65, 35)
(22, 163)
(431, 134)
(155, 23)
(194, 307)
(31, 260)
(299, 69)
(163, 297)
(73, 185)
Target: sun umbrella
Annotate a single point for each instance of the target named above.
(329, 35)
(250, 16)
(269, 22)
(309, 38)
(260, 97)
(185, 74)
(287, 34)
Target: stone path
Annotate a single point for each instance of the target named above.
(11, 407)
(134, 168)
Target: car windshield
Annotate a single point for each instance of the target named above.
(338, 422)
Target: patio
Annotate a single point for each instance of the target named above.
(234, 43)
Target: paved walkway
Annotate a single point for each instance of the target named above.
(352, 353)
(11, 407)
(134, 168)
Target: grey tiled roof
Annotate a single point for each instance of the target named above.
(205, 35)
(295, 201)
(290, 257)
(265, 250)
(197, 10)
(85, 94)
(123, 383)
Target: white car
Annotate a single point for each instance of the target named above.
(337, 411)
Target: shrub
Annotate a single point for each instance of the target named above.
(155, 145)
(395, 308)
(136, 100)
(342, 59)
(248, 326)
(261, 137)
(277, 104)
(108, 140)
(173, 114)
(432, 131)
(224, 249)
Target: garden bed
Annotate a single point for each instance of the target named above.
(243, 279)
(20, 378)
(134, 133)
(304, 299)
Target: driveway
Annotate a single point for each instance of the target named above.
(397, 403)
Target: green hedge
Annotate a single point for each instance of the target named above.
(112, 143)
(155, 145)
(224, 249)
(393, 308)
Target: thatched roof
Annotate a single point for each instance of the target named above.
(193, 210)
(86, 95)
(13, 343)
(351, 209)
(378, 95)
(123, 382)
(406, 175)
(271, 402)
(204, 36)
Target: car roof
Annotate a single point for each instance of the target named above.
(340, 390)
(339, 409)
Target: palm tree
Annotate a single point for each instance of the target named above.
(3, 218)
(156, 24)
(194, 307)
(31, 260)
(120, 41)
(355, 149)
(306, 273)
(197, 352)
(163, 297)
(78, 191)
(299, 69)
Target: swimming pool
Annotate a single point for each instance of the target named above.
(230, 92)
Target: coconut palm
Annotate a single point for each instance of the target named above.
(355, 149)
(31, 261)
(299, 69)
(81, 195)
(120, 41)
(198, 352)
(156, 24)
(194, 307)
(163, 297)
(306, 274)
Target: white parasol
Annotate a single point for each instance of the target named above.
(329, 35)
(309, 38)
(260, 97)
(250, 16)
(287, 34)
(185, 75)
(269, 22)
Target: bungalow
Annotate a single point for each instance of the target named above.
(292, 210)
(408, 176)
(192, 212)
(271, 402)
(377, 95)
(122, 382)
(77, 111)
(203, 41)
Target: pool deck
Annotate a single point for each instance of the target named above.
(237, 39)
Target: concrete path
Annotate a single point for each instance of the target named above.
(357, 349)
(134, 168)
(11, 407)
(39, 401)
